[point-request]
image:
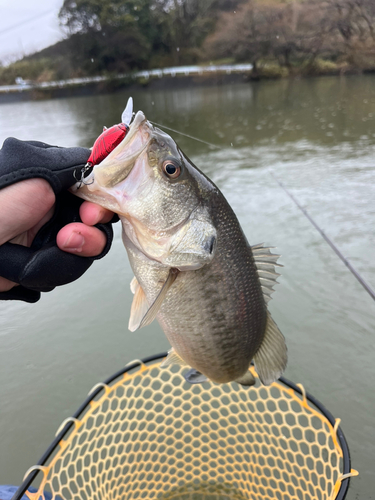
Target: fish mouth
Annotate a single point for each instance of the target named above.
(141, 127)
(117, 166)
(138, 119)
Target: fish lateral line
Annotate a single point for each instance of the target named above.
(355, 273)
(174, 186)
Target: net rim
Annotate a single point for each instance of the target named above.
(29, 479)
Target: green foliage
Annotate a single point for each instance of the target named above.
(117, 35)
(323, 67)
(109, 36)
(270, 69)
(279, 37)
(28, 70)
(85, 16)
(116, 52)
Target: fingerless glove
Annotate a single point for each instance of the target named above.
(43, 266)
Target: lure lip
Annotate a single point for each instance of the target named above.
(127, 114)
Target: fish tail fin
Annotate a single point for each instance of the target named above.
(271, 358)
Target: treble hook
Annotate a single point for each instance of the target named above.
(82, 179)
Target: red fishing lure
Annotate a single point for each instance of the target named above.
(111, 137)
(106, 143)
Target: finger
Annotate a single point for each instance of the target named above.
(24, 205)
(6, 285)
(92, 214)
(81, 239)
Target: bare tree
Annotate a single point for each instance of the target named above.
(286, 32)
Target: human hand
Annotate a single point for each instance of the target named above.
(47, 235)
(27, 205)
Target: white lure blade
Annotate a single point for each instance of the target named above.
(127, 114)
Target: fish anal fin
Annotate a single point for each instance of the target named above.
(246, 380)
(271, 358)
(172, 359)
(139, 307)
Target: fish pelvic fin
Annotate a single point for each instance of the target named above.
(271, 358)
(142, 318)
(266, 262)
(193, 376)
(172, 359)
(246, 380)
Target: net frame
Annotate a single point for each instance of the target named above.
(68, 424)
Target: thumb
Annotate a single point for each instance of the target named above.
(79, 239)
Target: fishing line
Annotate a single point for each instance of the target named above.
(328, 240)
(187, 135)
(26, 21)
(305, 213)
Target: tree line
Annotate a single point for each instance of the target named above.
(121, 35)
(298, 34)
(293, 36)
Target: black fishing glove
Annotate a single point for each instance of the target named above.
(43, 266)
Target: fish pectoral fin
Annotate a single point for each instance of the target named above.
(150, 315)
(271, 358)
(134, 285)
(247, 379)
(139, 306)
(193, 376)
(173, 359)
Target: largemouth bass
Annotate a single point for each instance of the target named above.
(194, 269)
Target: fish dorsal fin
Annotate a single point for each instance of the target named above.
(139, 306)
(247, 379)
(150, 315)
(172, 359)
(266, 262)
(271, 358)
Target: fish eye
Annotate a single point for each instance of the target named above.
(171, 170)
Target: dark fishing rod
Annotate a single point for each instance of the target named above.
(355, 273)
(328, 240)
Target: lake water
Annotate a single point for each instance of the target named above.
(318, 137)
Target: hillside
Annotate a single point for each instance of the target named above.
(278, 37)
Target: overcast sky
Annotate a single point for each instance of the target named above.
(27, 26)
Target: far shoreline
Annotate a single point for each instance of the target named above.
(117, 84)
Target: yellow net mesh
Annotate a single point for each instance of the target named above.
(152, 435)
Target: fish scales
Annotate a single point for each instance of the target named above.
(194, 269)
(210, 311)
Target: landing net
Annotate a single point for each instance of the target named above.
(148, 434)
